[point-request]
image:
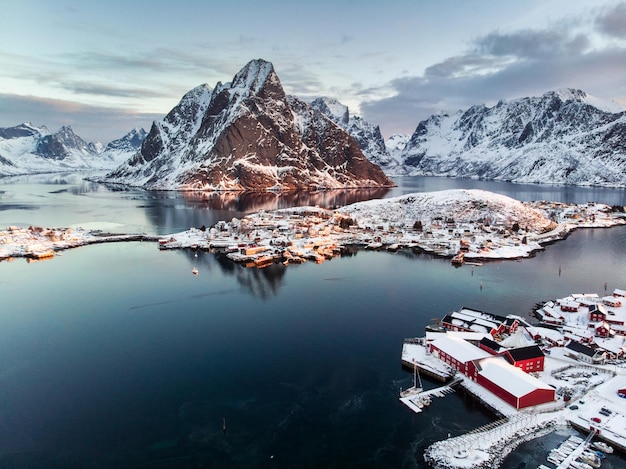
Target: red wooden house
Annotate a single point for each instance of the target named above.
(528, 359)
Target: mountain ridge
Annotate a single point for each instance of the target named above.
(557, 138)
(26, 149)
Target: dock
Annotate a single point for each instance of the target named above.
(577, 448)
(417, 401)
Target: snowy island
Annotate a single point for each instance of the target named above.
(464, 225)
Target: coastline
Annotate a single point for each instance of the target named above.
(299, 234)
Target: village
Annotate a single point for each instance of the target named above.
(536, 378)
(465, 226)
(299, 234)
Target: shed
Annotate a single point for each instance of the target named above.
(584, 353)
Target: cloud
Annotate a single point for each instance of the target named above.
(613, 22)
(506, 66)
(96, 89)
(532, 44)
(90, 122)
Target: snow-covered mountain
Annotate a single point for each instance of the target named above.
(247, 135)
(395, 145)
(562, 137)
(367, 135)
(26, 149)
(118, 151)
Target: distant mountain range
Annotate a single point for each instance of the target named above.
(248, 134)
(26, 149)
(562, 137)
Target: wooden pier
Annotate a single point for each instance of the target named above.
(415, 402)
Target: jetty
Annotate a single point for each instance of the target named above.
(417, 402)
(572, 449)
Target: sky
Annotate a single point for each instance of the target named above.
(107, 67)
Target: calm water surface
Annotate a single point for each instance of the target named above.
(116, 355)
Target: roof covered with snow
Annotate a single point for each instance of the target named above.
(509, 378)
(459, 349)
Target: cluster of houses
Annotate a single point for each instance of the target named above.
(505, 372)
(593, 327)
(34, 241)
(482, 346)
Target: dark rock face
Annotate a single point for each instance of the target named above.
(247, 135)
(61, 145)
(22, 130)
(367, 136)
(560, 137)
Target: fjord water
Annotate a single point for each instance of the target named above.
(115, 355)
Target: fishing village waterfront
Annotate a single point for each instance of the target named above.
(536, 378)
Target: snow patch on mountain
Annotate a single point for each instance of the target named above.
(569, 94)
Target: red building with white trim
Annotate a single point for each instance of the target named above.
(511, 384)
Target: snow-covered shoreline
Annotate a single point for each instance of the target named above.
(475, 224)
(37, 243)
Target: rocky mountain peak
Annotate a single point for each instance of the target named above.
(62, 144)
(132, 140)
(23, 130)
(332, 108)
(367, 135)
(254, 77)
(247, 135)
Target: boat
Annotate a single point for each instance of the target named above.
(554, 460)
(602, 446)
(415, 389)
(590, 458)
(458, 258)
(194, 271)
(579, 465)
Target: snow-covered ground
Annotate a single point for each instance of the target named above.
(42, 243)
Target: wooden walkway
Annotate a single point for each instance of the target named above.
(415, 402)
